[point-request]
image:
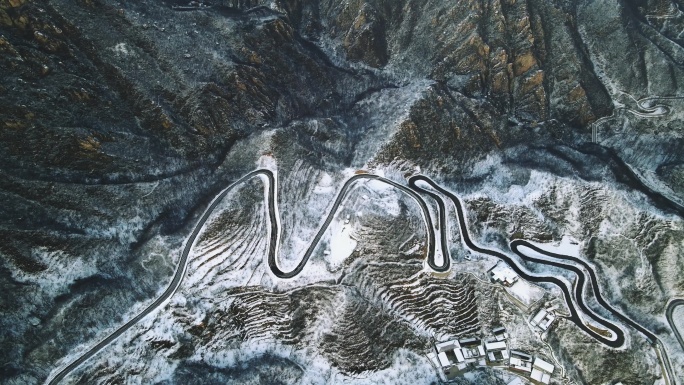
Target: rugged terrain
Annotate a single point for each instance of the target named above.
(120, 121)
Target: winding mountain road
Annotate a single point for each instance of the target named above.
(644, 110)
(617, 338)
(274, 244)
(275, 225)
(582, 279)
(668, 313)
(618, 334)
(579, 287)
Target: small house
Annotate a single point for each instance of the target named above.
(541, 371)
(521, 362)
(502, 273)
(543, 319)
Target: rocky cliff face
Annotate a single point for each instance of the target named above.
(120, 121)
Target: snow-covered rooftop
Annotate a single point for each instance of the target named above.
(504, 274)
(543, 319)
(459, 355)
(443, 359)
(543, 365)
(448, 345)
(521, 355)
(540, 376)
(498, 345)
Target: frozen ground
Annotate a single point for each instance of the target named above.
(525, 292)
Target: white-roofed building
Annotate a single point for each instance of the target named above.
(503, 274)
(496, 351)
(520, 365)
(541, 371)
(459, 355)
(543, 365)
(443, 360)
(543, 319)
(500, 333)
(473, 353)
(497, 356)
(537, 375)
(494, 346)
(450, 358)
(547, 321)
(520, 361)
(521, 355)
(448, 345)
(470, 341)
(540, 316)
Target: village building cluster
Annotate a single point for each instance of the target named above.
(459, 356)
(455, 357)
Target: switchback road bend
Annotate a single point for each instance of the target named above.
(668, 313)
(275, 231)
(618, 335)
(617, 338)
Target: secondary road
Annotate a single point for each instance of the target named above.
(170, 290)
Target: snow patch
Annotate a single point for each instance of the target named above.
(486, 165)
(525, 292)
(567, 246)
(386, 196)
(325, 185)
(268, 162)
(342, 243)
(121, 49)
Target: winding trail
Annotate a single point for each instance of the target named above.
(566, 262)
(644, 110)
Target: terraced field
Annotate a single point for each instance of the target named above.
(384, 299)
(430, 305)
(226, 252)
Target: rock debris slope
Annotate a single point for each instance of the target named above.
(121, 121)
